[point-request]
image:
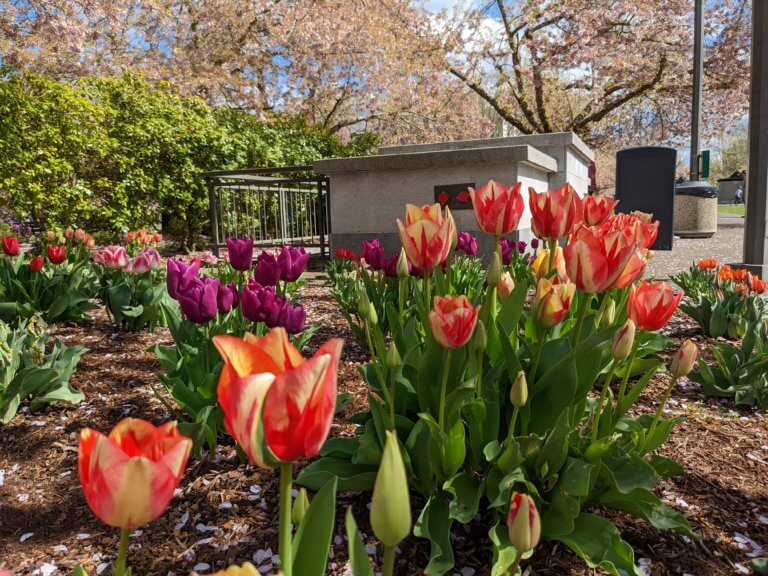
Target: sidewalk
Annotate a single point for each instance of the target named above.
(726, 246)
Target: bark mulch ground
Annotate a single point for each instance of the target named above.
(226, 512)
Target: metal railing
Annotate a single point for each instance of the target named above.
(274, 206)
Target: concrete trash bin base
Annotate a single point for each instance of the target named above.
(695, 210)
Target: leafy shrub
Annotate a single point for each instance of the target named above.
(33, 370)
(112, 153)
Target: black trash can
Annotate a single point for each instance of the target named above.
(695, 210)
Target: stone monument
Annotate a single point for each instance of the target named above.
(367, 194)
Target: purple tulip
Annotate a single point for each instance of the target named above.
(226, 298)
(292, 262)
(521, 246)
(258, 302)
(373, 254)
(534, 243)
(290, 317)
(240, 253)
(180, 275)
(467, 244)
(267, 271)
(390, 266)
(507, 248)
(198, 299)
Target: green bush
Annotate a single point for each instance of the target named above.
(115, 154)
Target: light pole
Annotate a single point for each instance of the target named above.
(698, 75)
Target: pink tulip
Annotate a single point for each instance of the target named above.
(114, 257)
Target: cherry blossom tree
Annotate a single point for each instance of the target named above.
(614, 72)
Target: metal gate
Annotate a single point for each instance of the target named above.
(274, 206)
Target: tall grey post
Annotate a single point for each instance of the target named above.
(756, 228)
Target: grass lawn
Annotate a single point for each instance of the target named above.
(732, 209)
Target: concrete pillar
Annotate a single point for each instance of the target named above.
(756, 227)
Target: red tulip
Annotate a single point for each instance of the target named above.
(427, 235)
(129, 476)
(453, 320)
(11, 245)
(36, 264)
(597, 209)
(650, 306)
(57, 254)
(555, 214)
(298, 396)
(639, 224)
(594, 260)
(497, 208)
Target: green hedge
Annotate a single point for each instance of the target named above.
(114, 154)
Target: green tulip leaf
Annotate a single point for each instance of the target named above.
(358, 557)
(314, 534)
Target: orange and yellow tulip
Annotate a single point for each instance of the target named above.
(298, 395)
(453, 320)
(552, 302)
(633, 270)
(594, 259)
(556, 213)
(497, 208)
(540, 265)
(129, 476)
(427, 235)
(597, 209)
(651, 305)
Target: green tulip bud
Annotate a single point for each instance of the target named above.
(403, 269)
(372, 318)
(300, 507)
(480, 341)
(621, 347)
(684, 359)
(609, 314)
(518, 394)
(393, 356)
(391, 503)
(363, 304)
(494, 270)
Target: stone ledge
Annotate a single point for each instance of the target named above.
(437, 158)
(537, 140)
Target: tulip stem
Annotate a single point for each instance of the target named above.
(443, 388)
(659, 410)
(627, 372)
(511, 433)
(537, 358)
(122, 552)
(603, 395)
(582, 313)
(402, 293)
(427, 295)
(515, 568)
(388, 562)
(552, 258)
(286, 554)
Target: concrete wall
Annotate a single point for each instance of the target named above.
(368, 194)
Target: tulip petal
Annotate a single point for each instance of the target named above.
(245, 355)
(300, 403)
(241, 399)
